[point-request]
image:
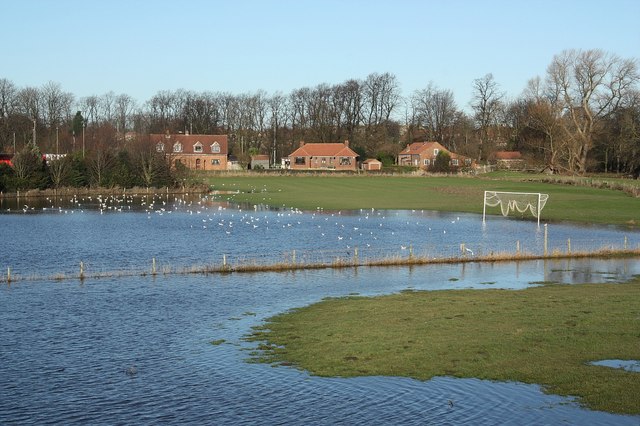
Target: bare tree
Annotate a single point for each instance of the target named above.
(124, 107)
(90, 109)
(100, 160)
(350, 97)
(8, 106)
(56, 108)
(278, 114)
(436, 111)
(486, 104)
(59, 171)
(543, 115)
(620, 142)
(8, 94)
(382, 94)
(591, 85)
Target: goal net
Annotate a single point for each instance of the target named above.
(521, 202)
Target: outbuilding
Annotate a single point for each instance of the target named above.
(371, 164)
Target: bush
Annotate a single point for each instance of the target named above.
(442, 163)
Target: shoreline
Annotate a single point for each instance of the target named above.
(71, 191)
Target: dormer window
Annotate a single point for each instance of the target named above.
(197, 147)
(215, 147)
(160, 147)
(177, 147)
(435, 152)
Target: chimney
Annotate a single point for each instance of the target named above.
(346, 143)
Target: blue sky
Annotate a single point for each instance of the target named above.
(140, 47)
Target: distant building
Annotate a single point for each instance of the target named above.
(509, 160)
(196, 152)
(424, 154)
(322, 156)
(259, 162)
(371, 164)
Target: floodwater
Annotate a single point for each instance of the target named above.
(138, 349)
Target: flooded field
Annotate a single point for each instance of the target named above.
(171, 349)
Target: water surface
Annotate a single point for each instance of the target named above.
(137, 350)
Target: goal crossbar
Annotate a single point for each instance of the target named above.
(519, 201)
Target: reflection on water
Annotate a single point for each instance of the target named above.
(68, 348)
(628, 365)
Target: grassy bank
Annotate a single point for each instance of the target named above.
(567, 202)
(544, 335)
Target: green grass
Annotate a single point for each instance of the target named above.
(576, 203)
(545, 335)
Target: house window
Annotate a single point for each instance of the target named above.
(215, 162)
(215, 147)
(197, 147)
(177, 147)
(427, 162)
(324, 161)
(198, 163)
(299, 160)
(454, 162)
(435, 151)
(345, 161)
(160, 147)
(467, 161)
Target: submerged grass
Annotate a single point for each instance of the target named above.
(544, 335)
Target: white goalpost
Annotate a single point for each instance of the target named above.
(519, 201)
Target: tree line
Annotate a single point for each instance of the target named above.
(581, 116)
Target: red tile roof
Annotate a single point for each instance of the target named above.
(323, 150)
(188, 141)
(508, 155)
(417, 147)
(260, 157)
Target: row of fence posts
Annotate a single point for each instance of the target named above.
(356, 256)
(464, 251)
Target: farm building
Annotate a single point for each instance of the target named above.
(371, 164)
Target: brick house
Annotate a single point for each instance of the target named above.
(423, 155)
(322, 156)
(196, 152)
